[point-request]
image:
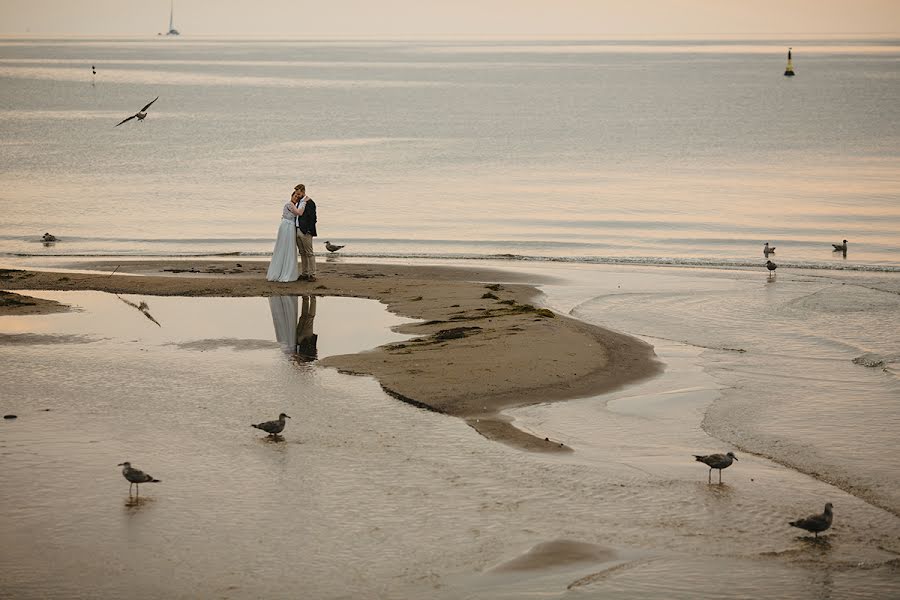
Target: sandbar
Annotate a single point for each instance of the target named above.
(483, 343)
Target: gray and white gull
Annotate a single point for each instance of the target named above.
(716, 461)
(139, 115)
(135, 476)
(273, 428)
(816, 523)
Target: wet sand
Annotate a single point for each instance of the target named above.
(480, 348)
(365, 496)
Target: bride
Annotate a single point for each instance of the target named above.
(284, 258)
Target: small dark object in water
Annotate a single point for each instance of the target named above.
(48, 237)
(815, 523)
(10, 417)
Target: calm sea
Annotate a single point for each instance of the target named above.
(684, 151)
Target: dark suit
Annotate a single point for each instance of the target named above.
(306, 231)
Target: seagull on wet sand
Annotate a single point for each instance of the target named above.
(332, 247)
(716, 461)
(139, 115)
(815, 523)
(135, 476)
(771, 266)
(273, 428)
(767, 250)
(842, 247)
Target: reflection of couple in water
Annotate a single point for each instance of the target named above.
(295, 335)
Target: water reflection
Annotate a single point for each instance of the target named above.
(134, 503)
(307, 349)
(296, 336)
(284, 318)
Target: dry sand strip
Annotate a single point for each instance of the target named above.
(481, 347)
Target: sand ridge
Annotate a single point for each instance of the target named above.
(482, 344)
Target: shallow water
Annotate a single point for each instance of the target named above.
(694, 151)
(369, 497)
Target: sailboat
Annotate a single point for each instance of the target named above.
(172, 30)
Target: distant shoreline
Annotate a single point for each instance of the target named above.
(482, 347)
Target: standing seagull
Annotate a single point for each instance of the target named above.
(331, 247)
(140, 115)
(135, 476)
(842, 247)
(767, 250)
(815, 523)
(716, 461)
(771, 266)
(273, 428)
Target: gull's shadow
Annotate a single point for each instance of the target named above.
(273, 439)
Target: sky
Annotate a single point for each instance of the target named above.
(411, 18)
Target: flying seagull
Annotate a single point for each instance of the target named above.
(815, 523)
(135, 476)
(273, 428)
(140, 115)
(331, 247)
(842, 247)
(143, 307)
(767, 250)
(716, 461)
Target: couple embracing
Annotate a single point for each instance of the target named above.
(295, 234)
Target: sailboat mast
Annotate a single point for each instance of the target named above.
(172, 15)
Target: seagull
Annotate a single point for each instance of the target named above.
(135, 476)
(48, 237)
(767, 250)
(140, 115)
(815, 523)
(771, 266)
(842, 247)
(331, 247)
(273, 428)
(716, 461)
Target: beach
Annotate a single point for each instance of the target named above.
(551, 295)
(391, 486)
(480, 346)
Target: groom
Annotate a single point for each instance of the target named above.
(306, 231)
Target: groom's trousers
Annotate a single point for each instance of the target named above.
(307, 257)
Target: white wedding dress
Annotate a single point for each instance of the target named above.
(284, 258)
